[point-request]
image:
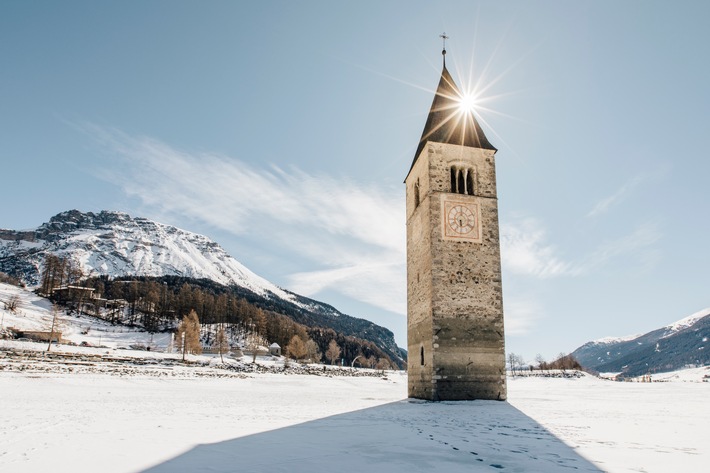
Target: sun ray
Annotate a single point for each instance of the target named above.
(446, 120)
(469, 81)
(499, 114)
(500, 138)
(473, 101)
(512, 66)
(391, 77)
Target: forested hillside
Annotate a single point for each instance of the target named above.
(158, 304)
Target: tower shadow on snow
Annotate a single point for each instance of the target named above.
(405, 436)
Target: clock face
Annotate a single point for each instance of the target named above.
(461, 219)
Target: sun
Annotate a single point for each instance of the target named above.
(467, 102)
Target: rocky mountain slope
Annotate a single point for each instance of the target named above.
(669, 348)
(115, 244)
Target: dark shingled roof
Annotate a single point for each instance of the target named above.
(446, 123)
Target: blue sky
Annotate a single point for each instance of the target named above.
(284, 130)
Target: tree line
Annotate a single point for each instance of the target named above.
(58, 271)
(562, 362)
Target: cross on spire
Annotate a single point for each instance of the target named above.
(443, 51)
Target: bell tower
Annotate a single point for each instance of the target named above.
(455, 332)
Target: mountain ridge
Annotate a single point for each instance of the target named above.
(671, 347)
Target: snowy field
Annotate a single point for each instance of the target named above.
(112, 409)
(293, 423)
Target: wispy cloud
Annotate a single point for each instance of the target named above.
(606, 203)
(353, 233)
(380, 283)
(639, 244)
(524, 251)
(522, 312)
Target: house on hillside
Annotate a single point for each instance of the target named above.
(38, 336)
(275, 349)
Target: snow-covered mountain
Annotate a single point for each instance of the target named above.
(668, 348)
(116, 244)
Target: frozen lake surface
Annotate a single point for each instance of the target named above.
(276, 422)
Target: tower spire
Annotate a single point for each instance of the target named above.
(447, 122)
(443, 50)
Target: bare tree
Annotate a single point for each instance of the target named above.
(12, 303)
(7, 279)
(55, 325)
(49, 274)
(296, 348)
(254, 342)
(221, 342)
(540, 360)
(312, 351)
(333, 352)
(515, 362)
(561, 361)
(512, 357)
(188, 334)
(383, 364)
(565, 362)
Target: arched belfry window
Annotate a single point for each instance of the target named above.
(421, 356)
(416, 194)
(463, 181)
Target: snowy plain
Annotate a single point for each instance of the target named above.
(53, 421)
(153, 414)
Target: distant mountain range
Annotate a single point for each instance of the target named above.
(116, 244)
(669, 348)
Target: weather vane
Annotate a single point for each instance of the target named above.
(443, 51)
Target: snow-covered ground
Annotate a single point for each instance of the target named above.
(275, 422)
(624, 427)
(114, 410)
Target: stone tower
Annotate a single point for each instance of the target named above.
(454, 292)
